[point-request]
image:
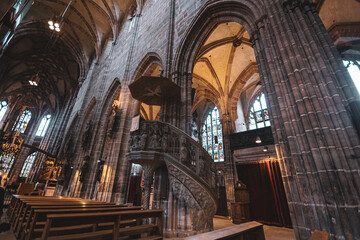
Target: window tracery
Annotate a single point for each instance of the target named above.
(45, 121)
(29, 161)
(259, 113)
(212, 136)
(22, 122)
(7, 161)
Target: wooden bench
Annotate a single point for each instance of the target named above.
(319, 235)
(17, 201)
(25, 222)
(153, 231)
(21, 206)
(24, 208)
(250, 230)
(36, 222)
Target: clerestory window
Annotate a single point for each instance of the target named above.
(44, 124)
(3, 108)
(28, 164)
(22, 122)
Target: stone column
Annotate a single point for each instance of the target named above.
(148, 181)
(308, 90)
(228, 170)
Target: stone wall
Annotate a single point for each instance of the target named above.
(307, 87)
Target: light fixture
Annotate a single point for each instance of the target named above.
(266, 149)
(56, 22)
(258, 139)
(34, 80)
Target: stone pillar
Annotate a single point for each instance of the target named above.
(148, 181)
(228, 170)
(308, 90)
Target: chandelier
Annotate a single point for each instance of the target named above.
(56, 22)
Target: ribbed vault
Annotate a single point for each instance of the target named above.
(225, 62)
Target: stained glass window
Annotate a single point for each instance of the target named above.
(7, 162)
(22, 121)
(43, 126)
(3, 108)
(27, 165)
(354, 70)
(259, 114)
(212, 138)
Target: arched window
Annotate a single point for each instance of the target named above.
(259, 114)
(353, 67)
(27, 165)
(212, 138)
(3, 108)
(22, 121)
(43, 126)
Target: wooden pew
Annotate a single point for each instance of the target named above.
(56, 221)
(24, 203)
(39, 218)
(18, 199)
(24, 208)
(250, 230)
(24, 223)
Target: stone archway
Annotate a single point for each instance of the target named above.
(307, 88)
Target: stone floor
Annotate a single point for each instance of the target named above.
(271, 232)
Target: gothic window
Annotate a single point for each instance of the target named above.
(353, 67)
(259, 113)
(27, 165)
(212, 138)
(7, 161)
(3, 108)
(22, 121)
(43, 126)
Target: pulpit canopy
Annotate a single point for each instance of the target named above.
(153, 90)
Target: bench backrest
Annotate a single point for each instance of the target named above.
(67, 220)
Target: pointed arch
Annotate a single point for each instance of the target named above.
(245, 12)
(149, 61)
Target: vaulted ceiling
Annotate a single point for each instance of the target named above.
(225, 64)
(60, 59)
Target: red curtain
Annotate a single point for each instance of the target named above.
(268, 202)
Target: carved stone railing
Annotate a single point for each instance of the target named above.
(163, 137)
(190, 170)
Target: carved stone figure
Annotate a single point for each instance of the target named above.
(112, 120)
(143, 139)
(84, 168)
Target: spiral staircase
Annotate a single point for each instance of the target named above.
(191, 201)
